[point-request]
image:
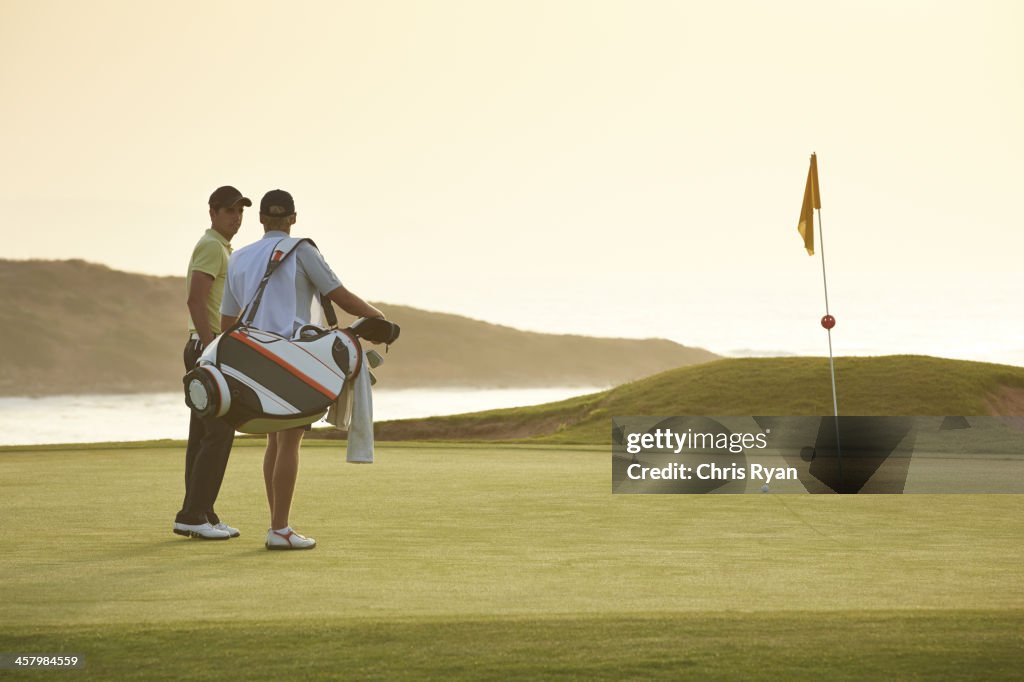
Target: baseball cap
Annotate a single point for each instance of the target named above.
(277, 203)
(226, 196)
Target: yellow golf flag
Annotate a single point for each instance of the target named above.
(812, 200)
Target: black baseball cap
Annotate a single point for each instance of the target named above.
(277, 203)
(227, 196)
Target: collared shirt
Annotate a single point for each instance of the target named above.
(311, 276)
(210, 256)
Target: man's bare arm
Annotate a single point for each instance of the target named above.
(198, 295)
(227, 321)
(352, 304)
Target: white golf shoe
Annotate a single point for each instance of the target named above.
(232, 532)
(203, 531)
(288, 539)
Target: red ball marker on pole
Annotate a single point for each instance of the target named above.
(828, 322)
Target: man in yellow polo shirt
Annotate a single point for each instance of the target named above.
(209, 439)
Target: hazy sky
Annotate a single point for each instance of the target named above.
(509, 158)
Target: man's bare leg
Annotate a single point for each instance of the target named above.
(286, 471)
(269, 460)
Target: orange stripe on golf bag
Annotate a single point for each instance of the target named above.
(278, 361)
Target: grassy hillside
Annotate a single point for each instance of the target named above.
(77, 327)
(890, 385)
(439, 349)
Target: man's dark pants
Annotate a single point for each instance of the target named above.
(206, 458)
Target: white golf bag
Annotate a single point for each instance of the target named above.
(261, 382)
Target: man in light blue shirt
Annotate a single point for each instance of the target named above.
(286, 305)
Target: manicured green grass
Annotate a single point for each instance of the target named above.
(837, 645)
(478, 562)
(890, 385)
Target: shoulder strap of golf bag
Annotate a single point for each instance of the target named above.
(282, 249)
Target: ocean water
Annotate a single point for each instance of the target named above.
(151, 416)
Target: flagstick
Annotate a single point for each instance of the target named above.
(831, 361)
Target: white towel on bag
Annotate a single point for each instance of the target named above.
(354, 411)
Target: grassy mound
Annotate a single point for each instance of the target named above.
(888, 385)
